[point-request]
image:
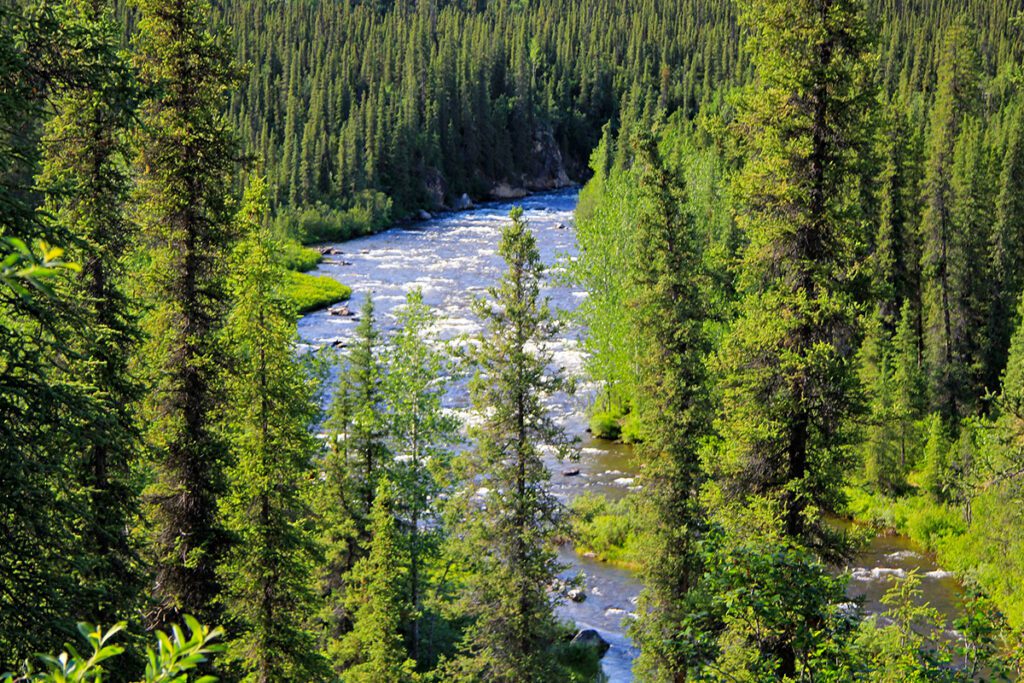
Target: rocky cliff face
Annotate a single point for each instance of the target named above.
(546, 170)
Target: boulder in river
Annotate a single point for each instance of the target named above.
(463, 203)
(574, 472)
(560, 226)
(506, 191)
(341, 311)
(588, 637)
(425, 215)
(330, 251)
(576, 594)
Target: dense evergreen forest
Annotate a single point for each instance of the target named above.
(802, 232)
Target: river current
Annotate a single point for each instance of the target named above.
(452, 259)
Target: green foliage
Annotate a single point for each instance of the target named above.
(370, 213)
(356, 458)
(173, 660)
(606, 425)
(374, 649)
(774, 602)
(293, 256)
(935, 461)
(187, 160)
(804, 129)
(672, 403)
(612, 530)
(65, 393)
(23, 268)
(309, 293)
(272, 399)
(420, 436)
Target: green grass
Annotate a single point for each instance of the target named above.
(313, 292)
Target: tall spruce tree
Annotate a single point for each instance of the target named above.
(86, 164)
(944, 317)
(671, 310)
(272, 405)
(1008, 243)
(510, 516)
(47, 52)
(188, 154)
(789, 380)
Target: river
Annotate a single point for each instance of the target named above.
(453, 259)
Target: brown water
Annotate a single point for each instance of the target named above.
(451, 260)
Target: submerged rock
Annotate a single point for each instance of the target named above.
(588, 637)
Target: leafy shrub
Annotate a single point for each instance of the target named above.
(632, 429)
(294, 256)
(609, 529)
(605, 425)
(369, 212)
(173, 658)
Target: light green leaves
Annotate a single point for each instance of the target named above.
(175, 656)
(23, 268)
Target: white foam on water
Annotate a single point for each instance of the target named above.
(877, 573)
(939, 574)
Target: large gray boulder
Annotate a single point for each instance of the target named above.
(590, 638)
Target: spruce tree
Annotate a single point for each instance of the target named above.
(910, 382)
(671, 310)
(789, 379)
(943, 313)
(47, 52)
(85, 170)
(1008, 243)
(271, 407)
(187, 155)
(373, 651)
(882, 444)
(509, 515)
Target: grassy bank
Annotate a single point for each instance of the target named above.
(308, 292)
(313, 292)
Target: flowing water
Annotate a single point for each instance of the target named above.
(452, 259)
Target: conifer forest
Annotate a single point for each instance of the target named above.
(511, 341)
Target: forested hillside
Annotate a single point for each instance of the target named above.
(802, 234)
(425, 101)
